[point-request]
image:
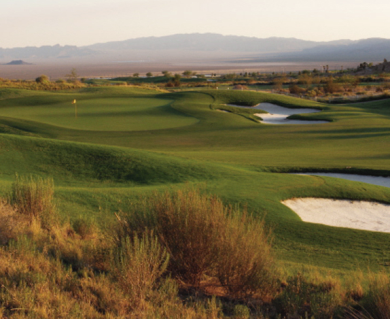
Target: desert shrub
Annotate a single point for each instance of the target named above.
(84, 227)
(332, 87)
(305, 79)
(206, 238)
(312, 93)
(295, 89)
(12, 224)
(316, 80)
(43, 79)
(245, 263)
(188, 224)
(302, 296)
(33, 197)
(379, 88)
(278, 83)
(240, 87)
(138, 263)
(241, 312)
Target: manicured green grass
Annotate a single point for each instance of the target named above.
(158, 141)
(120, 114)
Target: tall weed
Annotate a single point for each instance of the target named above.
(138, 263)
(377, 300)
(245, 263)
(33, 197)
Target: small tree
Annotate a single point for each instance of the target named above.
(331, 87)
(305, 79)
(167, 74)
(278, 83)
(136, 75)
(42, 79)
(149, 74)
(72, 76)
(295, 89)
(187, 73)
(176, 80)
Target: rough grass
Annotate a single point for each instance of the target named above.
(53, 272)
(33, 198)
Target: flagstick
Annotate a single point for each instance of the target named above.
(75, 110)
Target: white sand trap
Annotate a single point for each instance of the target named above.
(342, 213)
(278, 114)
(375, 180)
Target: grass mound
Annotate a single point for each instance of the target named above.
(83, 162)
(253, 98)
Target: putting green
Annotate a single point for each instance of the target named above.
(105, 114)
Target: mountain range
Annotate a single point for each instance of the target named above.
(255, 49)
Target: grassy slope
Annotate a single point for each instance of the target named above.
(98, 180)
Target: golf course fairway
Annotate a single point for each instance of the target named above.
(128, 142)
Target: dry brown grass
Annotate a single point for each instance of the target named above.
(138, 263)
(12, 224)
(312, 294)
(376, 302)
(44, 85)
(33, 198)
(56, 271)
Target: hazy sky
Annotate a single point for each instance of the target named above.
(83, 22)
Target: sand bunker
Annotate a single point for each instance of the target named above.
(375, 180)
(342, 213)
(278, 114)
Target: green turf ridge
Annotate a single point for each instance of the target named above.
(98, 171)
